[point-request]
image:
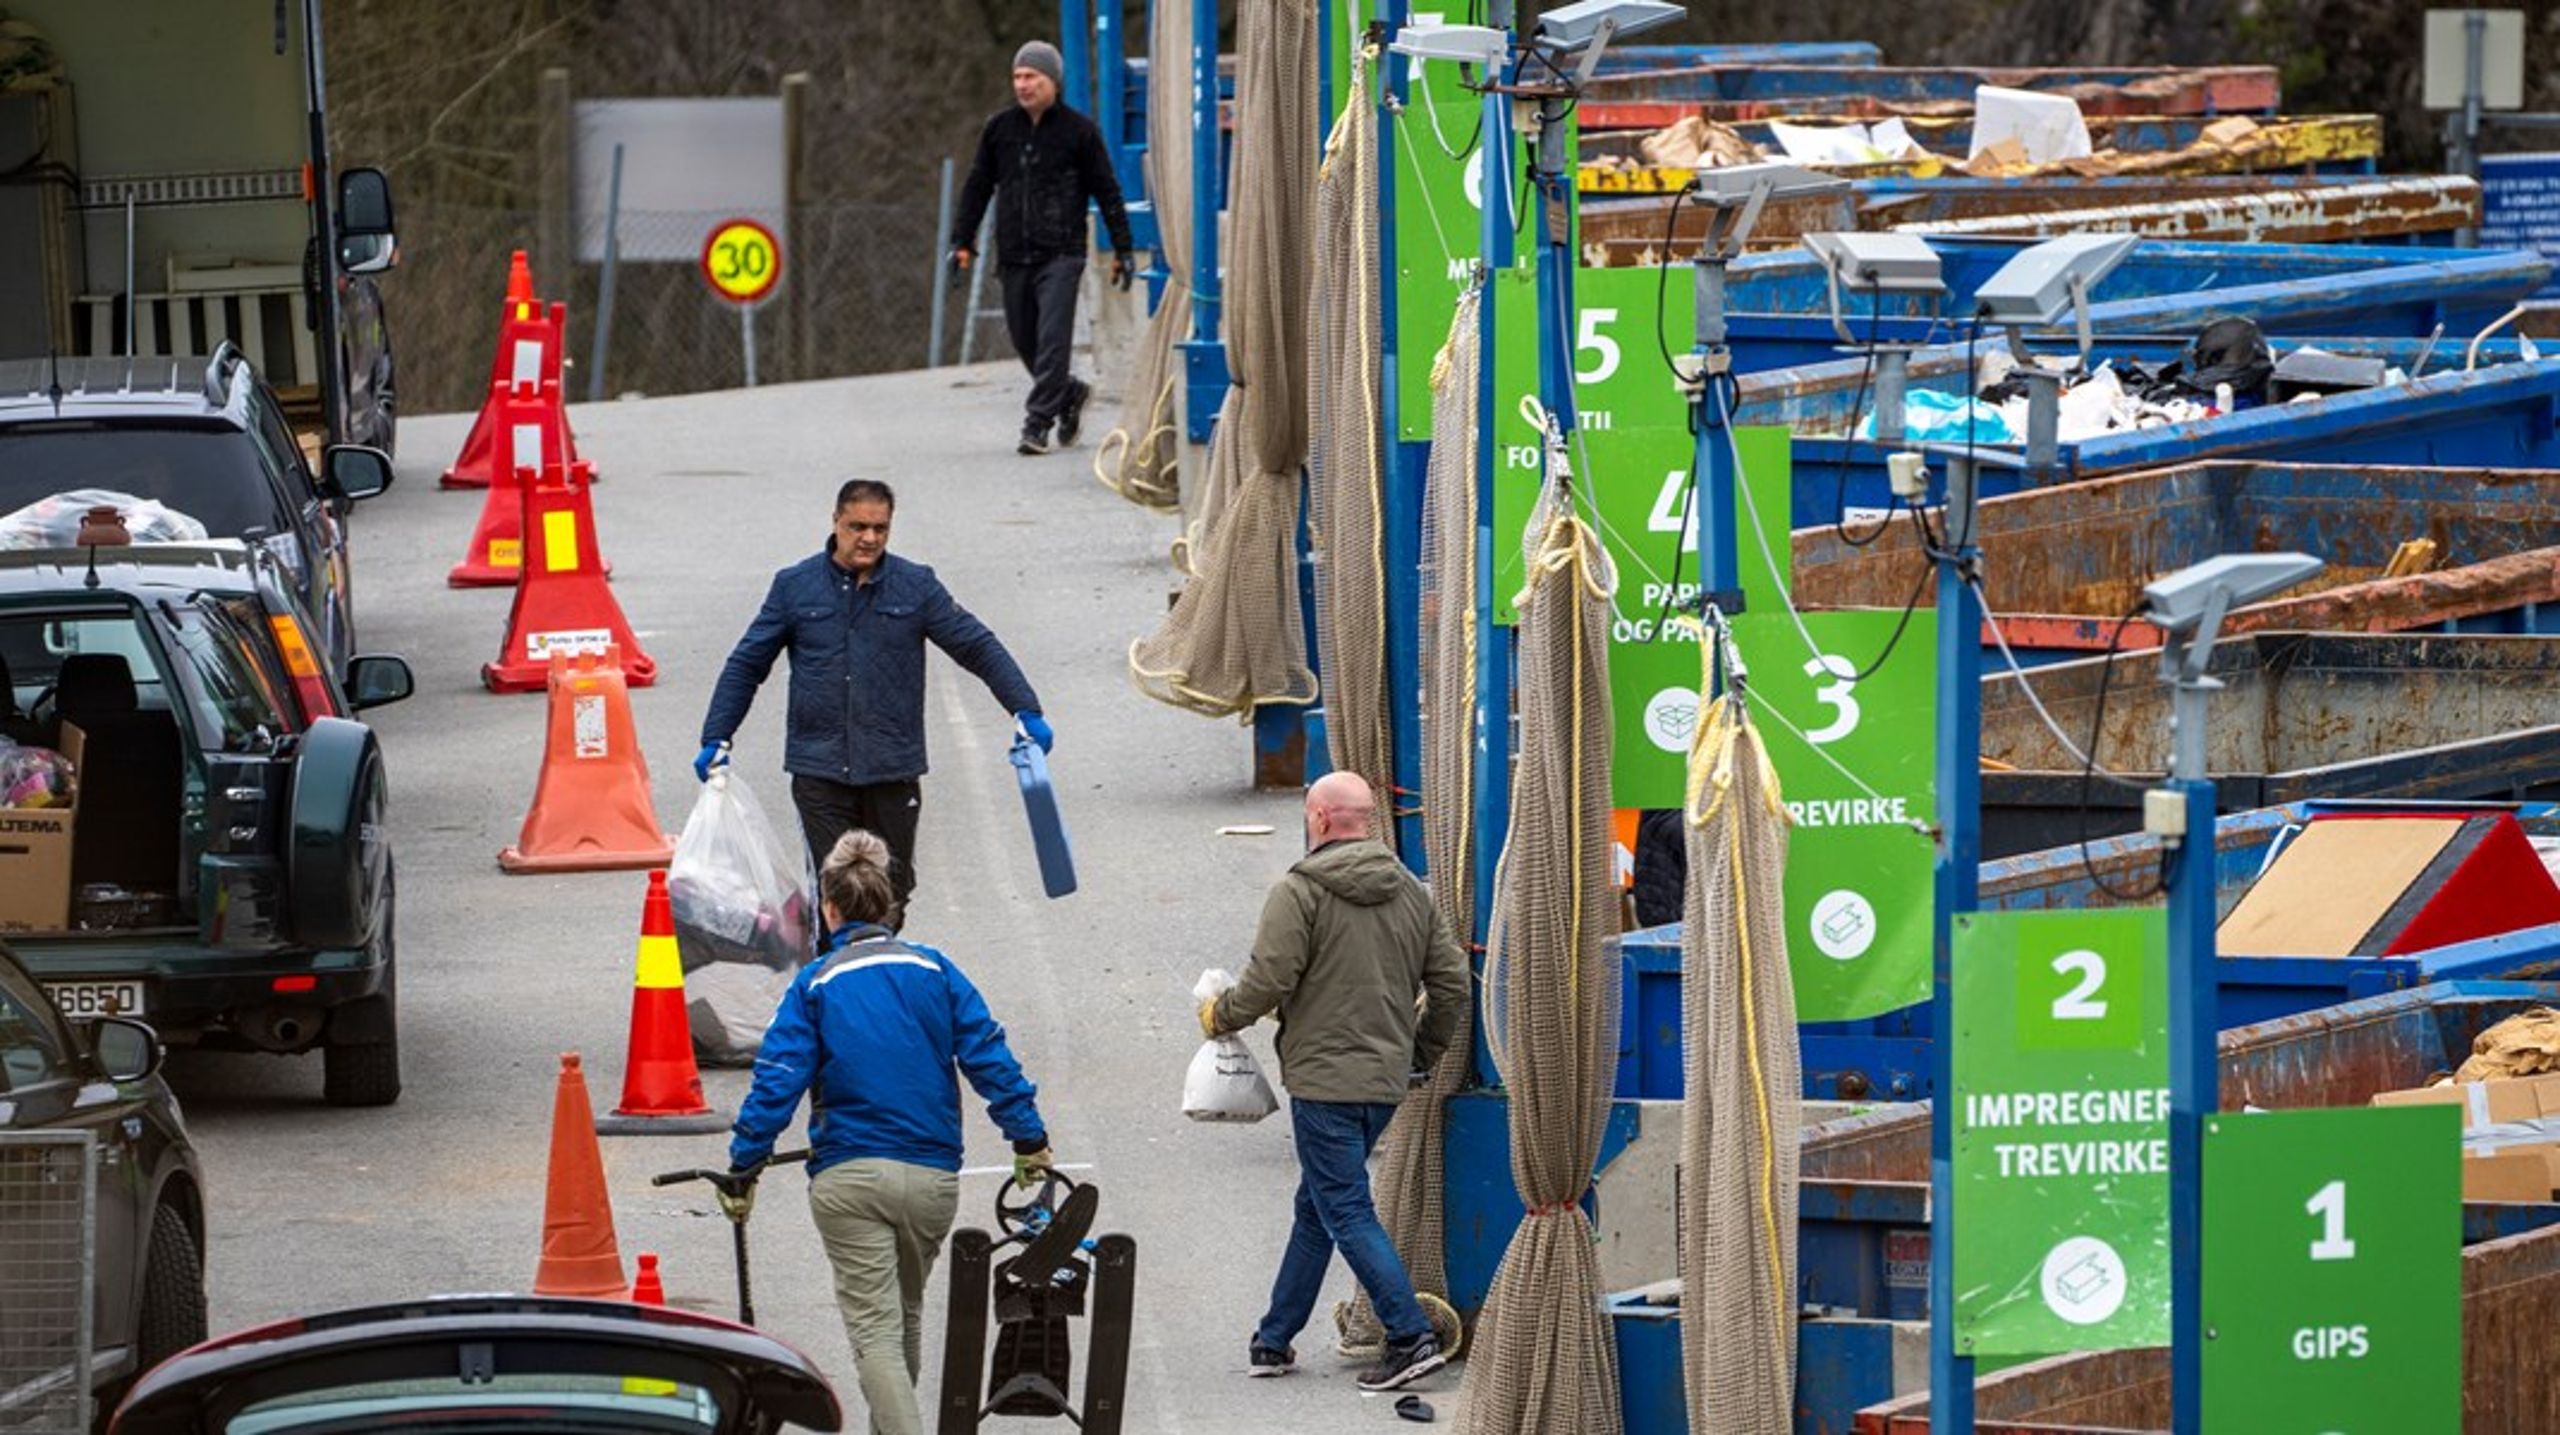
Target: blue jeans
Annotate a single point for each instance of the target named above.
(1334, 1211)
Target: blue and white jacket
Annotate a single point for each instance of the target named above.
(882, 1029)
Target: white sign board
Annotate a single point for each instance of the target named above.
(2501, 59)
(685, 164)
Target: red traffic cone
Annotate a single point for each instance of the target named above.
(661, 1087)
(562, 600)
(579, 1256)
(646, 1289)
(591, 810)
(527, 356)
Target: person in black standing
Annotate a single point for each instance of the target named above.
(1043, 163)
(855, 618)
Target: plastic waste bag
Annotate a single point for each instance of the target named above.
(54, 522)
(738, 903)
(1929, 416)
(1225, 1082)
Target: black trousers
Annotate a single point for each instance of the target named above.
(829, 810)
(1040, 314)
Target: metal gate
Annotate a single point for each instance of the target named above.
(48, 1261)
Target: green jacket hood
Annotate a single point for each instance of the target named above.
(1360, 871)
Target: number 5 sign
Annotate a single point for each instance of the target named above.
(2333, 1271)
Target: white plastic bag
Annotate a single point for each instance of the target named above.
(54, 522)
(1225, 1082)
(738, 901)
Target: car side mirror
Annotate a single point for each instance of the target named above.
(127, 1050)
(365, 244)
(355, 471)
(374, 679)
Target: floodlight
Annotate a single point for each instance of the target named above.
(1467, 44)
(1888, 263)
(1727, 186)
(2182, 602)
(1567, 29)
(2043, 281)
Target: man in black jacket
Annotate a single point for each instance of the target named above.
(1049, 162)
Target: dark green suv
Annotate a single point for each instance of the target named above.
(226, 872)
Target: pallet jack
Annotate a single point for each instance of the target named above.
(1035, 1294)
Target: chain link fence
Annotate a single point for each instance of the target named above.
(855, 298)
(48, 1251)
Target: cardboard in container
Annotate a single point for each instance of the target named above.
(35, 855)
(2516, 1173)
(2485, 1103)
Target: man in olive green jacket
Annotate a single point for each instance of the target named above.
(1369, 984)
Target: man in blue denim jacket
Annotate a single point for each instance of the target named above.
(855, 618)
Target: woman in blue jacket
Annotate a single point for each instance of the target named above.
(881, 1029)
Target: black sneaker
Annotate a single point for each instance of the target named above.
(1262, 1362)
(1403, 1363)
(1071, 418)
(1035, 441)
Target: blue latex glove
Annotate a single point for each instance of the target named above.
(1036, 728)
(713, 754)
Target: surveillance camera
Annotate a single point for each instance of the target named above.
(2184, 599)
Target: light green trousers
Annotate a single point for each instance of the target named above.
(883, 1223)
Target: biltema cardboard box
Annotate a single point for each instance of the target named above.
(35, 855)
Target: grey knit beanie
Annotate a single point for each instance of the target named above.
(1042, 56)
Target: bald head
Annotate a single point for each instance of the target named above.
(1339, 805)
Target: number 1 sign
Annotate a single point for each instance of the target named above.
(2333, 1271)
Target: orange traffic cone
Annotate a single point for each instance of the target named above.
(579, 1256)
(661, 1088)
(530, 420)
(646, 1288)
(562, 600)
(591, 810)
(528, 355)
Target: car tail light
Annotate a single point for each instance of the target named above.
(303, 983)
(307, 682)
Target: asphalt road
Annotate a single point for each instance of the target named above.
(701, 499)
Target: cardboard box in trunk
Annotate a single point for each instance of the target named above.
(35, 855)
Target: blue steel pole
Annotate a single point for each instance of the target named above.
(1712, 473)
(1110, 80)
(1400, 479)
(2194, 1088)
(1204, 361)
(1075, 46)
(1958, 890)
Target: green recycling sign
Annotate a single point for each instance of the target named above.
(2333, 1271)
(2061, 1141)
(1856, 765)
(1441, 167)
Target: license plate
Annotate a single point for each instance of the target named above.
(82, 1000)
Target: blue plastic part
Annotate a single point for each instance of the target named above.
(1048, 829)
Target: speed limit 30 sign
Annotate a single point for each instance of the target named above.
(742, 260)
